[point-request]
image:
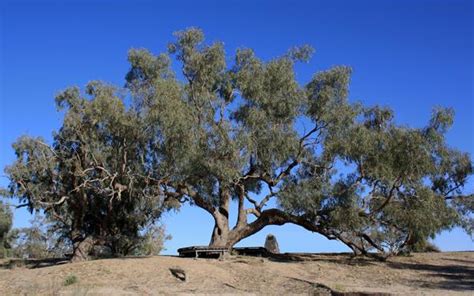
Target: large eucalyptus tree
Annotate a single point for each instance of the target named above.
(247, 133)
(95, 181)
(250, 133)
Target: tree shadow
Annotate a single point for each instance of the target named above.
(47, 262)
(464, 261)
(32, 263)
(125, 257)
(336, 258)
(458, 276)
(454, 277)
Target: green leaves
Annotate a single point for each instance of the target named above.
(267, 87)
(203, 66)
(6, 221)
(327, 92)
(96, 179)
(234, 131)
(301, 53)
(145, 67)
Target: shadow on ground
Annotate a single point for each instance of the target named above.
(337, 258)
(47, 262)
(453, 277)
(458, 276)
(455, 274)
(32, 263)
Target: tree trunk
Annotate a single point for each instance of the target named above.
(220, 233)
(218, 239)
(223, 237)
(82, 248)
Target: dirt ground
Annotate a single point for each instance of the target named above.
(291, 274)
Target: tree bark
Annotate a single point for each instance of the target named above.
(220, 232)
(82, 248)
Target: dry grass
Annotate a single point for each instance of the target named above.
(423, 274)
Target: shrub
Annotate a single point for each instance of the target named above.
(70, 279)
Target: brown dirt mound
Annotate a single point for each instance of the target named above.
(314, 274)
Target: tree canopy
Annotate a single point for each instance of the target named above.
(6, 221)
(246, 132)
(95, 181)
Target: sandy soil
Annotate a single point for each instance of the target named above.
(316, 274)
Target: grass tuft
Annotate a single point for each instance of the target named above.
(70, 279)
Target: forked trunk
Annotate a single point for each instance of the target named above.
(223, 237)
(224, 240)
(218, 239)
(220, 233)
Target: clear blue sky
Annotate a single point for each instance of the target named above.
(410, 55)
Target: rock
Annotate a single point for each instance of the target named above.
(179, 273)
(271, 244)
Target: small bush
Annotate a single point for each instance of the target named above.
(422, 246)
(431, 247)
(70, 279)
(152, 241)
(339, 288)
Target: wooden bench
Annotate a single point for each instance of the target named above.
(202, 252)
(214, 252)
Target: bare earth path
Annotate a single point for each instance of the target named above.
(420, 274)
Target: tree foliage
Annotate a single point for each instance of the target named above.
(250, 129)
(247, 132)
(39, 241)
(152, 241)
(6, 221)
(95, 181)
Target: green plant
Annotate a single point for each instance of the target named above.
(152, 242)
(70, 279)
(5, 229)
(339, 288)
